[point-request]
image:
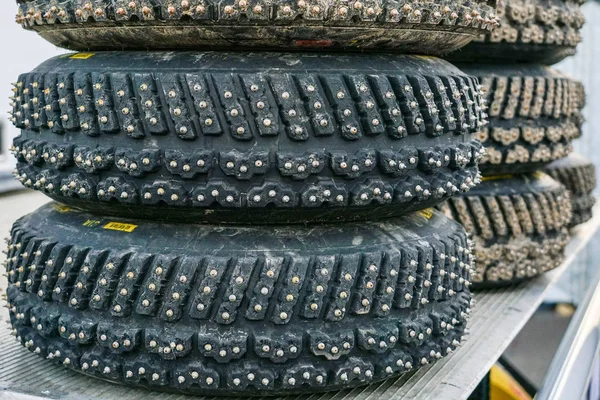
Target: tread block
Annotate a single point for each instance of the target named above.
(244, 166)
(77, 331)
(234, 113)
(236, 289)
(128, 114)
(214, 271)
(177, 101)
(366, 283)
(251, 375)
(377, 339)
(168, 344)
(354, 369)
(95, 362)
(204, 105)
(150, 109)
(107, 281)
(292, 284)
(281, 349)
(353, 165)
(61, 289)
(341, 292)
(300, 167)
(271, 193)
(152, 289)
(264, 288)
(322, 269)
(196, 374)
(331, 346)
(136, 163)
(117, 189)
(118, 339)
(262, 104)
(222, 346)
(178, 292)
(90, 160)
(87, 275)
(189, 165)
(304, 375)
(325, 192)
(129, 283)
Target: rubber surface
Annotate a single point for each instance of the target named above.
(519, 226)
(578, 175)
(435, 27)
(233, 137)
(534, 114)
(530, 31)
(238, 310)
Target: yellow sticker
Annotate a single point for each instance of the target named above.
(82, 56)
(90, 223)
(120, 226)
(427, 213)
(496, 177)
(61, 208)
(538, 174)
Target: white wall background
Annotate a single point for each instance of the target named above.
(585, 66)
(20, 51)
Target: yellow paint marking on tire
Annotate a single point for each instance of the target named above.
(120, 226)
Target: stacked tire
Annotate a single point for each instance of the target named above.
(196, 244)
(519, 216)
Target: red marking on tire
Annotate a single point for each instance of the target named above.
(314, 43)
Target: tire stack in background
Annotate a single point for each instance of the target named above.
(241, 222)
(519, 215)
(578, 175)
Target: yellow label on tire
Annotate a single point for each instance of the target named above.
(427, 213)
(496, 177)
(61, 208)
(82, 56)
(120, 226)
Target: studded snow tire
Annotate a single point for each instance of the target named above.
(578, 174)
(519, 226)
(435, 27)
(542, 31)
(247, 138)
(534, 113)
(231, 310)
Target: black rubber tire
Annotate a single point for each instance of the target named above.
(578, 175)
(233, 137)
(534, 114)
(436, 27)
(531, 31)
(519, 226)
(232, 301)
